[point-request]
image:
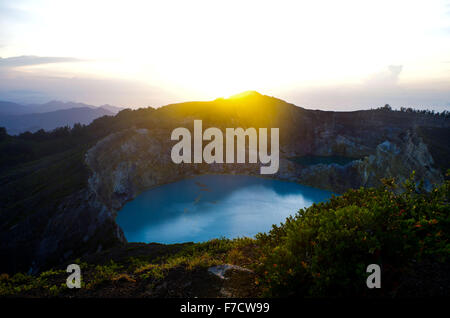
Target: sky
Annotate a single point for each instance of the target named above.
(332, 55)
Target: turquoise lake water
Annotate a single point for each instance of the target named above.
(314, 160)
(213, 206)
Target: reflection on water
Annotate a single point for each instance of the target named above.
(206, 207)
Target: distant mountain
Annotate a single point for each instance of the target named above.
(10, 108)
(58, 105)
(16, 124)
(111, 108)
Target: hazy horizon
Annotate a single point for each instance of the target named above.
(325, 55)
(120, 106)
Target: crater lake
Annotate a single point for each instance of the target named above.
(211, 206)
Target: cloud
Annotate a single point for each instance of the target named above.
(24, 96)
(36, 87)
(395, 71)
(386, 78)
(39, 87)
(378, 89)
(13, 15)
(29, 60)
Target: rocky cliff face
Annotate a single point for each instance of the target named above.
(80, 225)
(126, 163)
(395, 158)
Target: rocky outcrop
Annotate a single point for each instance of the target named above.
(396, 158)
(88, 226)
(235, 280)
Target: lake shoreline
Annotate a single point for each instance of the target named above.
(233, 206)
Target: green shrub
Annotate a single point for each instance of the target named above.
(324, 250)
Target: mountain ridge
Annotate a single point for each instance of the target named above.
(18, 118)
(16, 124)
(13, 108)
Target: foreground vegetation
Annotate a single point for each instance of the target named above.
(323, 250)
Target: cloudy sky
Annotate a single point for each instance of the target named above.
(342, 55)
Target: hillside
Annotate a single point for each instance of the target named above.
(60, 190)
(9, 108)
